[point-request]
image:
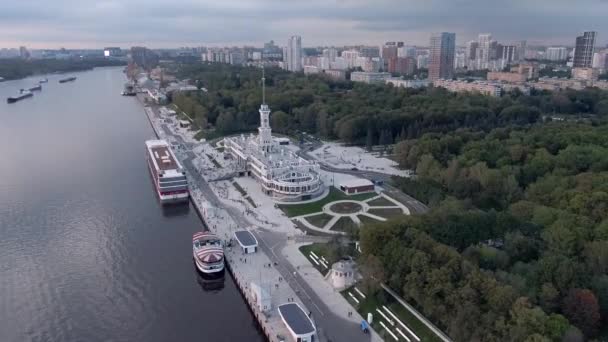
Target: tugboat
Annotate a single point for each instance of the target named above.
(24, 94)
(69, 79)
(208, 253)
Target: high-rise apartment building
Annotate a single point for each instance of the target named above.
(556, 53)
(350, 57)
(293, 56)
(441, 58)
(402, 65)
(583, 52)
(369, 51)
(508, 53)
(471, 51)
(389, 51)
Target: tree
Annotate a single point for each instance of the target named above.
(596, 256)
(225, 122)
(549, 297)
(601, 108)
(582, 309)
(280, 121)
(373, 273)
(369, 139)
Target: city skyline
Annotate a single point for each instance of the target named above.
(154, 23)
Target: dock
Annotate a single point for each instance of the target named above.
(256, 275)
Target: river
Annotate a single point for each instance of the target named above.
(86, 251)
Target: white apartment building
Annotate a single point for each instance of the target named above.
(293, 54)
(556, 53)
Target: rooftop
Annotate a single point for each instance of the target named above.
(296, 319)
(351, 183)
(245, 238)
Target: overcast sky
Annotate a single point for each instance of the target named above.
(174, 23)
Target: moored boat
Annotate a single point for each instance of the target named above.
(208, 252)
(168, 175)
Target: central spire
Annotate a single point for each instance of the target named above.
(265, 133)
(263, 86)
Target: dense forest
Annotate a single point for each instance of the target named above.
(16, 68)
(359, 113)
(515, 246)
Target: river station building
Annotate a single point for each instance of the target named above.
(281, 173)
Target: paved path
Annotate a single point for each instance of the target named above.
(328, 306)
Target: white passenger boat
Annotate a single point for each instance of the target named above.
(208, 252)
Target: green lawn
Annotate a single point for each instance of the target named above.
(319, 250)
(319, 220)
(344, 224)
(380, 202)
(372, 302)
(313, 207)
(386, 213)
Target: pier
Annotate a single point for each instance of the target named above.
(250, 271)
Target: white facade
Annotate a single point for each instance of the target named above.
(343, 274)
(281, 173)
(556, 53)
(294, 54)
(350, 57)
(422, 61)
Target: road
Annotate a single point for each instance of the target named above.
(330, 326)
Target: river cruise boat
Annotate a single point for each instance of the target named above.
(208, 252)
(167, 173)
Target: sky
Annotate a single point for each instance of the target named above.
(176, 23)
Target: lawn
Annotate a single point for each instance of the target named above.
(344, 224)
(292, 210)
(380, 202)
(320, 250)
(372, 302)
(319, 220)
(386, 213)
(366, 220)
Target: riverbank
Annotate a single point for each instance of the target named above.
(245, 269)
(15, 69)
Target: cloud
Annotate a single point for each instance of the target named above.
(163, 23)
